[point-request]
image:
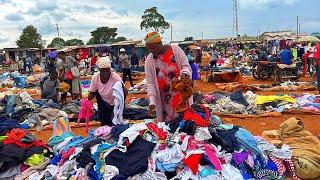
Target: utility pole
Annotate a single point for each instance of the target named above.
(171, 31)
(57, 30)
(58, 33)
(235, 18)
(202, 36)
(297, 26)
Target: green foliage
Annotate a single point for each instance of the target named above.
(30, 38)
(74, 42)
(188, 38)
(56, 43)
(121, 38)
(153, 20)
(103, 35)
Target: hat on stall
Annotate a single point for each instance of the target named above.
(104, 62)
(122, 50)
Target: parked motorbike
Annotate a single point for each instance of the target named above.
(289, 72)
(265, 69)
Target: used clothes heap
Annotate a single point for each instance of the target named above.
(195, 146)
(21, 154)
(138, 88)
(250, 103)
(305, 147)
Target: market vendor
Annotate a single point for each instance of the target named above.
(105, 87)
(65, 64)
(165, 63)
(49, 86)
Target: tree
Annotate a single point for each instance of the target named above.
(103, 35)
(56, 43)
(188, 38)
(153, 20)
(121, 38)
(30, 38)
(74, 42)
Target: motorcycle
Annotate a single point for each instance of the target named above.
(289, 72)
(265, 69)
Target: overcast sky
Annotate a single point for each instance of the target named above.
(77, 18)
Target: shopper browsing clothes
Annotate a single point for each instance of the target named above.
(68, 70)
(164, 64)
(126, 66)
(49, 86)
(104, 85)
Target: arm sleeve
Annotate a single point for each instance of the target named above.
(150, 82)
(183, 61)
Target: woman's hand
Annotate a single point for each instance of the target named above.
(152, 111)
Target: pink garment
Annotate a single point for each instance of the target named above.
(153, 91)
(209, 98)
(105, 90)
(102, 131)
(213, 159)
(86, 111)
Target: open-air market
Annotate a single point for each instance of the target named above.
(156, 90)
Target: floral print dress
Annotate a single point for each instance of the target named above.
(167, 70)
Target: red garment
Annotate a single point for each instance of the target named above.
(24, 145)
(191, 115)
(15, 135)
(93, 61)
(157, 131)
(168, 70)
(317, 52)
(65, 155)
(193, 162)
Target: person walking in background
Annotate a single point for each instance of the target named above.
(194, 67)
(214, 57)
(134, 60)
(29, 64)
(316, 56)
(126, 66)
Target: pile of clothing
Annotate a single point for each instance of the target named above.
(196, 145)
(21, 154)
(305, 147)
(139, 88)
(15, 79)
(251, 103)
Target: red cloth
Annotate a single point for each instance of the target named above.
(317, 51)
(305, 62)
(65, 155)
(157, 131)
(93, 61)
(15, 135)
(83, 53)
(193, 162)
(191, 115)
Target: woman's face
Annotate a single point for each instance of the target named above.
(105, 72)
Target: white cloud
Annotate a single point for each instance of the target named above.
(74, 19)
(264, 3)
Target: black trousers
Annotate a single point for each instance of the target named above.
(105, 111)
(126, 72)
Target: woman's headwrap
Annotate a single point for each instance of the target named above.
(153, 37)
(104, 62)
